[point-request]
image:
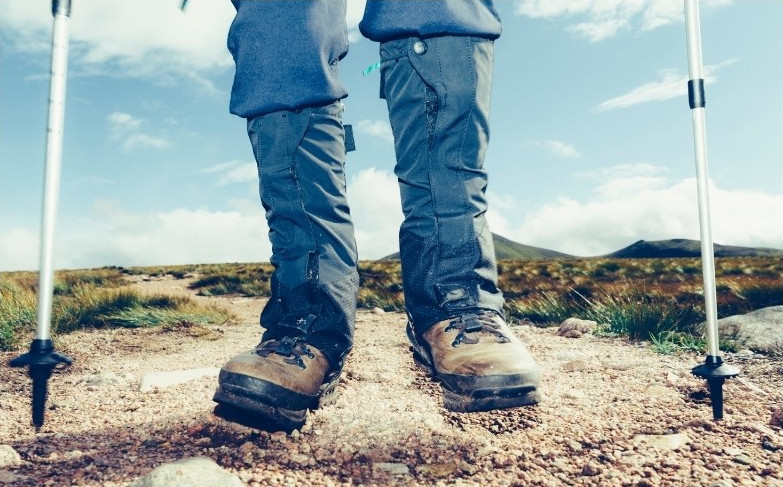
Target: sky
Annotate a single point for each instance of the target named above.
(591, 137)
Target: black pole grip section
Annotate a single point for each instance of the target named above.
(696, 93)
(61, 7)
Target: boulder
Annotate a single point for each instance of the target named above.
(189, 472)
(760, 330)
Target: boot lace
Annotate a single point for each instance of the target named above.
(473, 323)
(292, 348)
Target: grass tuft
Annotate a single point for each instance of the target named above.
(80, 303)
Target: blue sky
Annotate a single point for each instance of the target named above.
(591, 143)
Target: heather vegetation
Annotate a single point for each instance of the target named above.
(660, 300)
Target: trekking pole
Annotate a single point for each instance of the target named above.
(713, 369)
(42, 358)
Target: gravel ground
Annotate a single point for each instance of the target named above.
(614, 414)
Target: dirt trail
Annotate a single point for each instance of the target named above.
(609, 409)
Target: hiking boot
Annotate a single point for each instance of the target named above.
(479, 361)
(278, 381)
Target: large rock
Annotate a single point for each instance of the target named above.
(9, 457)
(189, 472)
(760, 330)
(162, 380)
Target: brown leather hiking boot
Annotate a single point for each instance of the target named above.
(479, 361)
(278, 381)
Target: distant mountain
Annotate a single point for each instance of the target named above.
(508, 249)
(680, 247)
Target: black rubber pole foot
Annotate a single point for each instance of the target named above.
(716, 373)
(41, 361)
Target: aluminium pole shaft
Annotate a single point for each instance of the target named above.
(42, 359)
(54, 151)
(697, 102)
(713, 370)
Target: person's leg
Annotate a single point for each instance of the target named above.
(438, 91)
(300, 154)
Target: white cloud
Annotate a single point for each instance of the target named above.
(649, 207)
(353, 17)
(602, 19)
(231, 172)
(374, 197)
(126, 128)
(19, 249)
(670, 84)
(376, 128)
(637, 201)
(598, 31)
(558, 148)
(133, 39)
(115, 236)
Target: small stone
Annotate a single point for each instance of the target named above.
(743, 459)
(749, 386)
(468, 468)
(591, 470)
(656, 390)
(744, 354)
(574, 394)
(664, 442)
(777, 417)
(439, 470)
(486, 450)
(73, 454)
(247, 447)
(566, 355)
(377, 311)
(575, 327)
(392, 468)
(620, 365)
(104, 379)
(771, 446)
(295, 434)
(9, 457)
(189, 472)
(278, 436)
(672, 379)
(575, 365)
(300, 458)
(11, 478)
(722, 483)
(732, 451)
(574, 445)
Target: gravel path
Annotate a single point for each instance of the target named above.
(614, 414)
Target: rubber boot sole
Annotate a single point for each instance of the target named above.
(478, 399)
(244, 406)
